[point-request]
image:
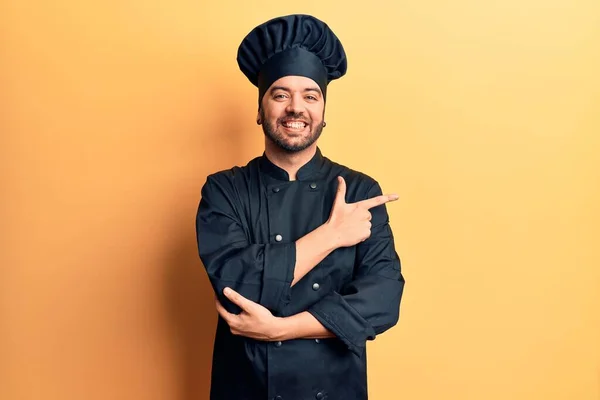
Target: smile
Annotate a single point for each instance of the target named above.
(297, 125)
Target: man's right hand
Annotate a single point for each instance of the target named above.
(351, 222)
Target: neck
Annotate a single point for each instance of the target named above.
(290, 162)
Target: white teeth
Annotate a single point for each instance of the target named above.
(294, 125)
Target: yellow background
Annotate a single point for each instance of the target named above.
(482, 115)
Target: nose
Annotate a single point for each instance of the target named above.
(294, 106)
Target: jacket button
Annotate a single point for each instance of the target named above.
(317, 340)
(313, 185)
(316, 286)
(279, 238)
(320, 396)
(276, 189)
(278, 398)
(278, 344)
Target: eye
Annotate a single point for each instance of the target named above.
(311, 97)
(280, 96)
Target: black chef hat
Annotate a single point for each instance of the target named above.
(291, 45)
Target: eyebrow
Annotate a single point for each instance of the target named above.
(286, 89)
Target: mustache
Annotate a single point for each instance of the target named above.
(294, 117)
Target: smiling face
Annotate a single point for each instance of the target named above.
(292, 113)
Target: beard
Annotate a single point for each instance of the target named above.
(270, 131)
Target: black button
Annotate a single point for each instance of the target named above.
(278, 344)
(319, 396)
(276, 189)
(278, 398)
(316, 286)
(313, 185)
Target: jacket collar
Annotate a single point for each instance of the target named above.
(306, 172)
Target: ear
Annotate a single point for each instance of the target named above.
(258, 118)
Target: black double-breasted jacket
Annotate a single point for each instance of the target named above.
(247, 223)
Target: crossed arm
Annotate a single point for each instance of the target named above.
(354, 316)
(257, 322)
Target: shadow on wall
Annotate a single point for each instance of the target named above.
(189, 296)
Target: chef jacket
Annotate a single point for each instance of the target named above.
(247, 223)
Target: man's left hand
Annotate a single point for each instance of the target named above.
(255, 321)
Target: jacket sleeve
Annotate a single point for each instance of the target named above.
(370, 303)
(262, 273)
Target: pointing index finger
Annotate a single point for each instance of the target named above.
(377, 201)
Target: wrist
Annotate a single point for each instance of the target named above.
(329, 236)
(282, 329)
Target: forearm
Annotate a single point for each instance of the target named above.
(302, 326)
(311, 249)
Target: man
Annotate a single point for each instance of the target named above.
(297, 248)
